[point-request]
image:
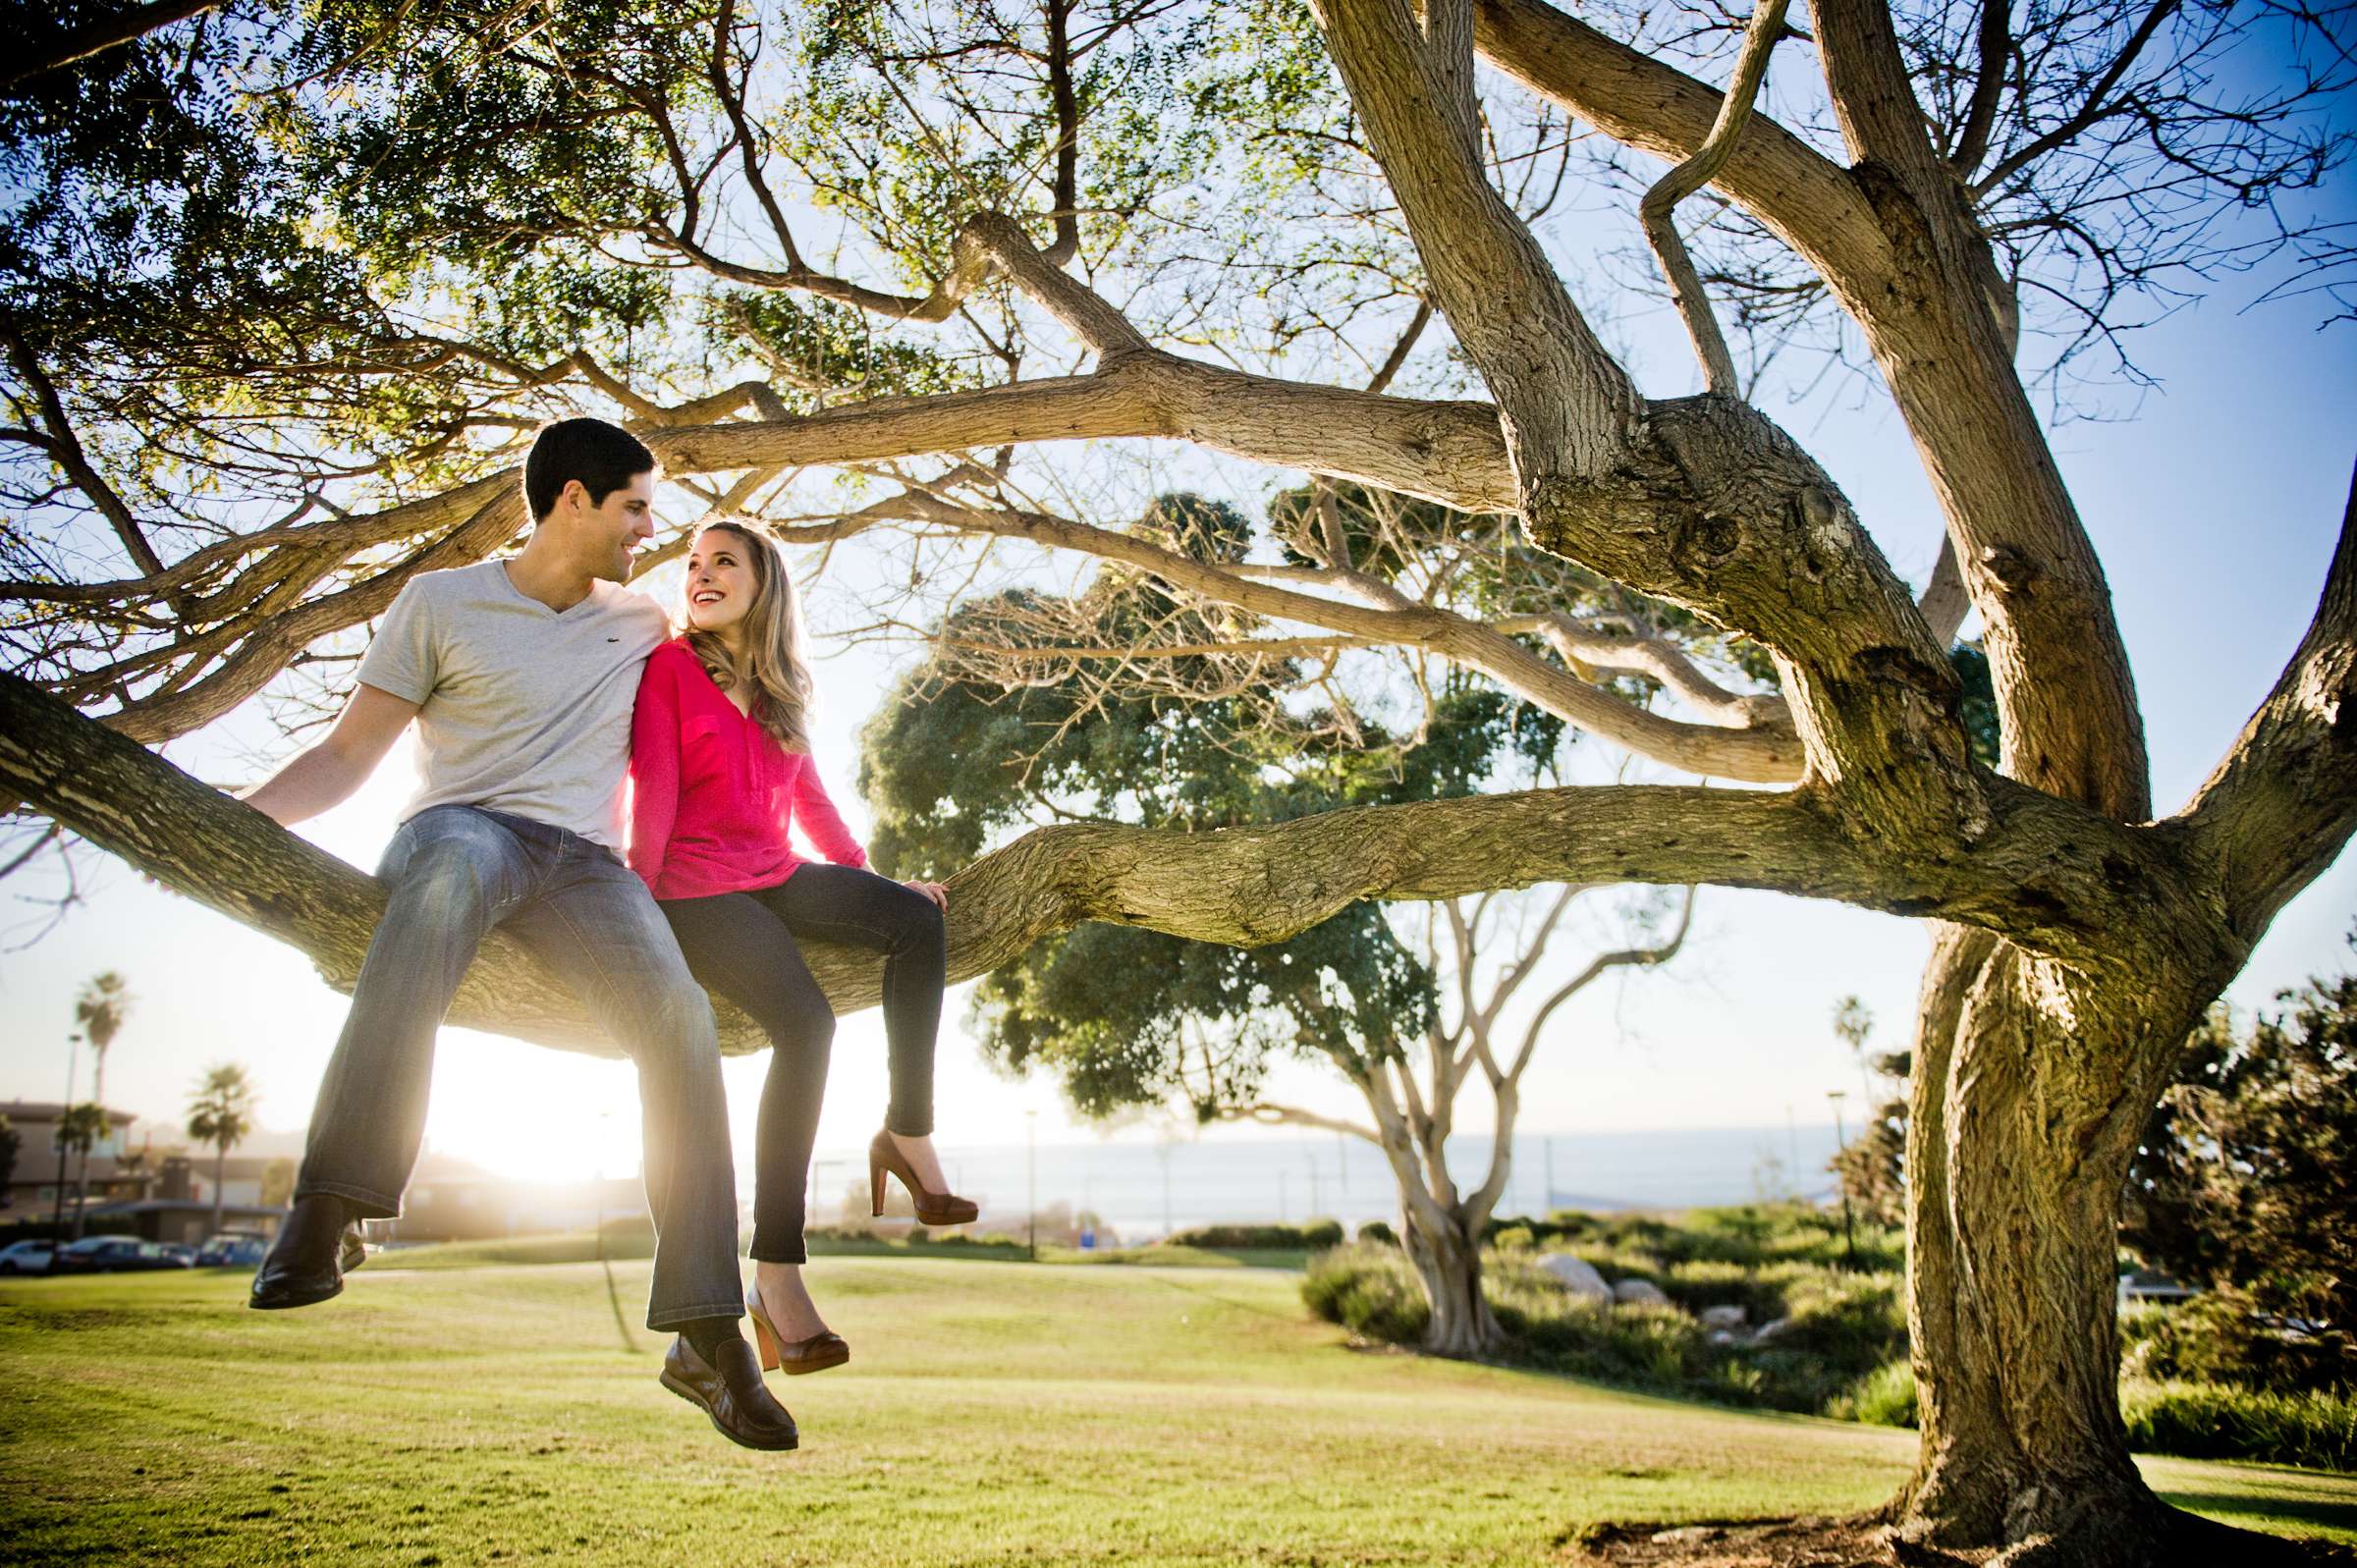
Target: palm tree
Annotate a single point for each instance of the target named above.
(101, 1009)
(78, 1128)
(221, 1114)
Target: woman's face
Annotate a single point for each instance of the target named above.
(720, 580)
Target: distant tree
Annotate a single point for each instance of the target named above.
(1126, 1016)
(104, 1003)
(1872, 1167)
(2247, 1180)
(278, 1184)
(100, 1011)
(9, 1141)
(221, 1114)
(77, 1129)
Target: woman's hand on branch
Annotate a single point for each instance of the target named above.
(933, 891)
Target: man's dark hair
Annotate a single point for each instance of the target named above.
(602, 457)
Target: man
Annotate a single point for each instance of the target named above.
(521, 676)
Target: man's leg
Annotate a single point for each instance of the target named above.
(448, 873)
(736, 949)
(598, 927)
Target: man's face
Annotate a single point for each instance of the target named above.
(608, 532)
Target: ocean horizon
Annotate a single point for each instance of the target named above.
(1145, 1190)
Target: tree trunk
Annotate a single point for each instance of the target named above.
(81, 1188)
(1450, 1265)
(2020, 1129)
(220, 1169)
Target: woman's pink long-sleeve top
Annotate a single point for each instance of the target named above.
(713, 794)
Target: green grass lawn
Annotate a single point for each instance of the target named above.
(992, 1413)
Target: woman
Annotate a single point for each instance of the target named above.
(721, 768)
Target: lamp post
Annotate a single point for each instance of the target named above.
(1849, 1236)
(1031, 1180)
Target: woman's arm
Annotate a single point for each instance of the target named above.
(820, 821)
(654, 767)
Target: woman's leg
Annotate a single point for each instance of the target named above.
(736, 947)
(856, 907)
(859, 909)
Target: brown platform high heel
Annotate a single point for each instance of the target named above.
(821, 1350)
(932, 1208)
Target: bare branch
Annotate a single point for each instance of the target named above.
(1275, 1116)
(1660, 207)
(1599, 966)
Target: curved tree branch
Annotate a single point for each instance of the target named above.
(1659, 209)
(1805, 198)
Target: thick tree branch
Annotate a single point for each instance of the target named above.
(1995, 48)
(1806, 199)
(1571, 412)
(2054, 876)
(100, 36)
(2067, 699)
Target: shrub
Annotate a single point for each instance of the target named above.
(1884, 1398)
(1369, 1289)
(1375, 1230)
(1238, 1238)
(2213, 1421)
(1843, 1328)
(2243, 1180)
(2220, 1337)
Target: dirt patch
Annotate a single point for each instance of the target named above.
(1858, 1541)
(1804, 1542)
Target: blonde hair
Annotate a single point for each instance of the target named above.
(776, 661)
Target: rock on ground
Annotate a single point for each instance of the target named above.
(1579, 1276)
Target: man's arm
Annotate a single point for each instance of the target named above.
(325, 774)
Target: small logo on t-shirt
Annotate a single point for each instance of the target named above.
(613, 639)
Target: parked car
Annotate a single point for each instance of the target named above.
(26, 1258)
(113, 1255)
(232, 1250)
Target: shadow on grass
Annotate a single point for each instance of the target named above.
(2244, 1507)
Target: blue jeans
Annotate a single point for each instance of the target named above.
(450, 874)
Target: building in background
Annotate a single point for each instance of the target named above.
(254, 1193)
(118, 1172)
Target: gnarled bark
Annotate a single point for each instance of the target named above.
(2032, 1081)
